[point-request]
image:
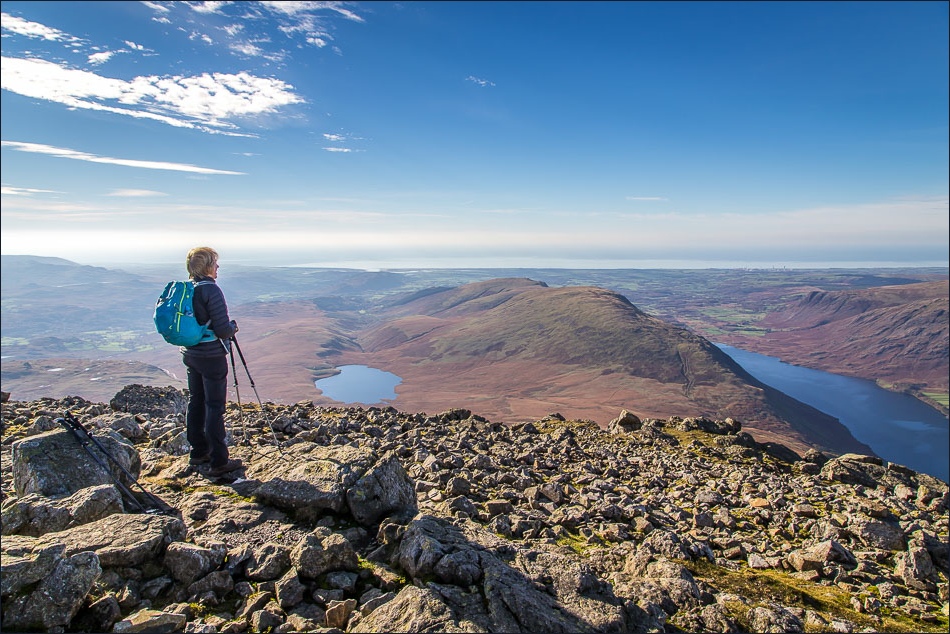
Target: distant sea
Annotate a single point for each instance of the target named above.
(543, 263)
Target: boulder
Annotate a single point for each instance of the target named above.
(55, 464)
(877, 534)
(413, 609)
(188, 562)
(773, 618)
(151, 621)
(155, 402)
(855, 469)
(309, 479)
(37, 515)
(818, 555)
(58, 596)
(121, 539)
(385, 488)
(24, 561)
(625, 423)
(323, 551)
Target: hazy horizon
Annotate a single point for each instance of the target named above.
(512, 263)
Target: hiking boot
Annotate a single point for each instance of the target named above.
(196, 461)
(228, 467)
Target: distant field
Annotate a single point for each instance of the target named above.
(942, 398)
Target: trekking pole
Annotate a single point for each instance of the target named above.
(253, 387)
(160, 506)
(81, 434)
(249, 377)
(237, 390)
(237, 393)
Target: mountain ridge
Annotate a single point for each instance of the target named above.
(899, 335)
(495, 342)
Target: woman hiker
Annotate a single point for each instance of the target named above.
(207, 364)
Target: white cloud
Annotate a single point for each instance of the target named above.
(206, 102)
(208, 7)
(135, 193)
(246, 48)
(38, 148)
(305, 20)
(156, 6)
(99, 58)
(305, 10)
(338, 149)
(133, 46)
(481, 82)
(19, 26)
(24, 191)
(334, 137)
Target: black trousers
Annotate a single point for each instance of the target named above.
(208, 392)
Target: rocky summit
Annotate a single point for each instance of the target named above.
(375, 520)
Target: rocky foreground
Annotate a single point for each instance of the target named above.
(373, 520)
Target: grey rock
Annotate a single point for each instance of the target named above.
(267, 562)
(123, 424)
(625, 423)
(57, 598)
(187, 562)
(254, 603)
(218, 583)
(916, 568)
(774, 618)
(100, 616)
(121, 539)
(156, 402)
(877, 534)
(815, 557)
(36, 515)
(289, 590)
(413, 609)
(338, 612)
(854, 469)
(384, 489)
(322, 552)
(24, 561)
(308, 479)
(54, 464)
(268, 618)
(151, 621)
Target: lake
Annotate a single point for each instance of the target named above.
(899, 428)
(359, 384)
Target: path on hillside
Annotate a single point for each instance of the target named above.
(687, 373)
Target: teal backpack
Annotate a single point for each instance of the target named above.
(175, 317)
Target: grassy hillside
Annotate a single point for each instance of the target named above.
(514, 347)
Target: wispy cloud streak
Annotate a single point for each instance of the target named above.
(39, 148)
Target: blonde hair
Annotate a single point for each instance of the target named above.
(200, 262)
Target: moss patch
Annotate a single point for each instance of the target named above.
(831, 602)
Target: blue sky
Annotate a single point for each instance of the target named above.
(477, 133)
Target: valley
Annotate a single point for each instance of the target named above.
(512, 345)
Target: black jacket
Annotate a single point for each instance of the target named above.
(209, 305)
